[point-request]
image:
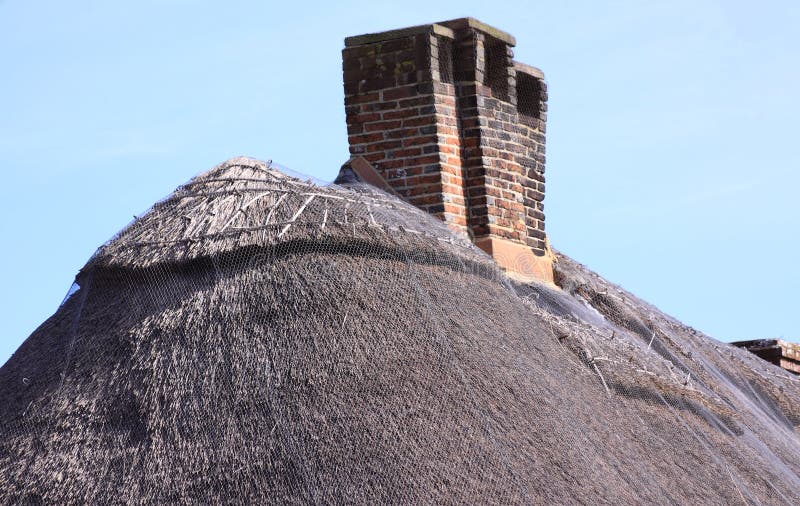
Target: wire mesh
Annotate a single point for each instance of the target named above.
(256, 338)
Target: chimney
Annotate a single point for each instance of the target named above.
(456, 127)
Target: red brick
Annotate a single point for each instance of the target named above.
(399, 134)
(404, 153)
(374, 157)
(403, 92)
(365, 138)
(382, 126)
(401, 113)
(383, 146)
(361, 99)
(427, 200)
(416, 141)
(423, 120)
(363, 118)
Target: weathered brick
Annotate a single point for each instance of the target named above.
(414, 141)
(362, 98)
(404, 153)
(363, 118)
(383, 146)
(400, 114)
(428, 199)
(374, 157)
(419, 121)
(415, 102)
(378, 106)
(382, 126)
(398, 93)
(404, 133)
(361, 139)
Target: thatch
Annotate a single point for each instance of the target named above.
(243, 203)
(214, 355)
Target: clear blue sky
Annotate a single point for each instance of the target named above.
(672, 137)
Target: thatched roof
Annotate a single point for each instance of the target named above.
(243, 203)
(257, 339)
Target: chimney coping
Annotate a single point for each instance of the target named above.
(462, 23)
(370, 38)
(528, 69)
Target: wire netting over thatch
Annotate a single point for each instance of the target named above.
(255, 338)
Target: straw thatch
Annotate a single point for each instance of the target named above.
(255, 338)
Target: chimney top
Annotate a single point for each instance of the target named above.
(463, 23)
(444, 28)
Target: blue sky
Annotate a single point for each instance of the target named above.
(672, 134)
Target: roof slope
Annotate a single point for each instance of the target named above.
(254, 338)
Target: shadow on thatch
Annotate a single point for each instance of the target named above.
(265, 255)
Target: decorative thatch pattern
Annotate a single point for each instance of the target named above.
(365, 354)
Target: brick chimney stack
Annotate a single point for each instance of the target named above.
(456, 127)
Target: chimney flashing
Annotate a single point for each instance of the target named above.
(358, 170)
